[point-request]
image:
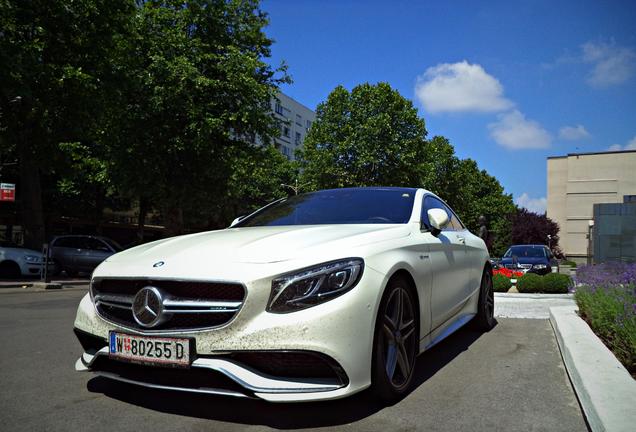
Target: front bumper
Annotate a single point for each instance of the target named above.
(340, 330)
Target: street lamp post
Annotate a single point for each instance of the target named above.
(295, 188)
(590, 226)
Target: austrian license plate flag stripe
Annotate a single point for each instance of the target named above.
(149, 350)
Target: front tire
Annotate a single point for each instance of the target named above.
(396, 342)
(9, 270)
(485, 318)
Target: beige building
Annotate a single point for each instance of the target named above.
(578, 181)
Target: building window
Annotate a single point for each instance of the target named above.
(278, 108)
(308, 124)
(286, 131)
(299, 120)
(297, 138)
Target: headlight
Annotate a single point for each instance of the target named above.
(32, 258)
(314, 285)
(539, 266)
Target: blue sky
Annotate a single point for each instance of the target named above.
(509, 83)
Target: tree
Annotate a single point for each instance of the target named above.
(532, 228)
(197, 90)
(55, 72)
(369, 136)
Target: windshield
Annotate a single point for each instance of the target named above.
(112, 243)
(338, 206)
(525, 251)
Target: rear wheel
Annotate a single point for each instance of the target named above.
(485, 318)
(395, 342)
(71, 272)
(9, 269)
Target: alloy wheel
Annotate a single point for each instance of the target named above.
(399, 337)
(489, 296)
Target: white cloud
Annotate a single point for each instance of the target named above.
(631, 145)
(513, 131)
(536, 205)
(573, 133)
(456, 87)
(612, 64)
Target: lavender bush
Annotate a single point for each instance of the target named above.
(610, 273)
(607, 302)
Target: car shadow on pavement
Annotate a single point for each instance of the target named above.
(280, 416)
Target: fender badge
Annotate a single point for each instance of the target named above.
(158, 264)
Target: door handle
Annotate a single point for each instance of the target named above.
(461, 239)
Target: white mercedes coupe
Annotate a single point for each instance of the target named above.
(313, 297)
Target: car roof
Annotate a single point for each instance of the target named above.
(383, 188)
(529, 245)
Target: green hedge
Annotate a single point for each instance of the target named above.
(555, 283)
(568, 263)
(529, 283)
(552, 283)
(500, 283)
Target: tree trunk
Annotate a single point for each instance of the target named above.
(173, 218)
(30, 193)
(141, 218)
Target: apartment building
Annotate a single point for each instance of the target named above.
(578, 181)
(296, 119)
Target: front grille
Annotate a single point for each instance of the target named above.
(518, 266)
(187, 305)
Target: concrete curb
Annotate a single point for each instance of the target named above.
(533, 296)
(605, 389)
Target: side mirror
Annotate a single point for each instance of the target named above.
(437, 219)
(237, 220)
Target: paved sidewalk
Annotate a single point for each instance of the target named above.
(532, 306)
(26, 283)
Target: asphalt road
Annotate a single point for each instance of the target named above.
(511, 378)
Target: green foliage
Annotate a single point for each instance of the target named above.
(370, 136)
(501, 283)
(197, 92)
(533, 228)
(611, 313)
(555, 283)
(568, 263)
(552, 283)
(530, 283)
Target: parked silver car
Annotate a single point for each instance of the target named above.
(81, 253)
(16, 261)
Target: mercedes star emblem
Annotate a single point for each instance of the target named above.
(147, 307)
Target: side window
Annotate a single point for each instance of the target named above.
(455, 222)
(430, 202)
(98, 245)
(69, 242)
(61, 242)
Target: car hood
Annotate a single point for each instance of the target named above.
(21, 251)
(259, 245)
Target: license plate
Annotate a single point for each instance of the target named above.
(150, 349)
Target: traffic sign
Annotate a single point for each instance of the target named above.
(7, 192)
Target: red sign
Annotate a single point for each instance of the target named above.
(7, 192)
